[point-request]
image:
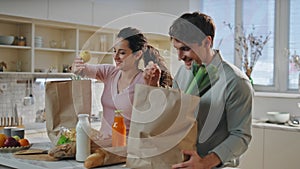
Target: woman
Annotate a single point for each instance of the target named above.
(119, 80)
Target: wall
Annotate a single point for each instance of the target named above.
(17, 89)
(264, 102)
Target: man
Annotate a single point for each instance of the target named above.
(224, 115)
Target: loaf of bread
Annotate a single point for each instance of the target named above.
(96, 159)
(106, 156)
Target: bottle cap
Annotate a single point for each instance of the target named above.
(118, 111)
(83, 115)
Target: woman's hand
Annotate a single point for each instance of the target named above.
(196, 162)
(152, 74)
(78, 65)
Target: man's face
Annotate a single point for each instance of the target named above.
(188, 53)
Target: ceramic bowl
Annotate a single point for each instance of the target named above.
(278, 117)
(7, 40)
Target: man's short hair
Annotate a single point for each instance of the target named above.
(192, 28)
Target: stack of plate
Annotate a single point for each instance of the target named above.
(38, 41)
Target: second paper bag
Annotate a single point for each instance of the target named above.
(162, 125)
(63, 101)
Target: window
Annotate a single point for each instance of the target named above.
(294, 42)
(271, 70)
(223, 34)
(260, 15)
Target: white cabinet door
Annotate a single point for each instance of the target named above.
(29, 8)
(281, 149)
(72, 11)
(253, 157)
(109, 16)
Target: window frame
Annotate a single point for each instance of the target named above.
(281, 43)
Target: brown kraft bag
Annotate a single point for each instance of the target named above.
(162, 125)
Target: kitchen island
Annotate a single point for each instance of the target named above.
(7, 160)
(263, 132)
(37, 135)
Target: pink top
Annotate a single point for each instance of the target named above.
(112, 100)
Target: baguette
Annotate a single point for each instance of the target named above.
(95, 160)
(106, 156)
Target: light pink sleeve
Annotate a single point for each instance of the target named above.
(99, 72)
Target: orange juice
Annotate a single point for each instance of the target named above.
(118, 130)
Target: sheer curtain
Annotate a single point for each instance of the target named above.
(222, 11)
(294, 41)
(257, 13)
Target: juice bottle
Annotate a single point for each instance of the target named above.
(118, 130)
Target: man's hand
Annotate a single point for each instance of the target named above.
(152, 74)
(196, 162)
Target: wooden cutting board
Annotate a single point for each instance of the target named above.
(39, 157)
(34, 154)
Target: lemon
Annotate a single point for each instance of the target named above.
(85, 55)
(16, 137)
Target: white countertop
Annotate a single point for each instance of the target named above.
(274, 126)
(36, 133)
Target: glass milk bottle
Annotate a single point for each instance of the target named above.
(118, 130)
(83, 142)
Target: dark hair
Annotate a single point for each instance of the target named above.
(137, 41)
(192, 28)
(152, 54)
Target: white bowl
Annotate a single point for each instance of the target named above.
(278, 117)
(7, 40)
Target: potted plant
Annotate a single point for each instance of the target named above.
(249, 47)
(3, 66)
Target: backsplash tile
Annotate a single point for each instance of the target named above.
(16, 91)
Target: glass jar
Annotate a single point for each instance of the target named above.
(21, 41)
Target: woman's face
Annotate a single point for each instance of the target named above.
(123, 56)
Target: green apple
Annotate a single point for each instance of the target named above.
(16, 138)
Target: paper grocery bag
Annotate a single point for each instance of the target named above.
(63, 101)
(162, 125)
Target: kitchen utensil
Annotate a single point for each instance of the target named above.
(278, 117)
(28, 99)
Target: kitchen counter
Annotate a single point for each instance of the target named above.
(8, 160)
(36, 133)
(266, 125)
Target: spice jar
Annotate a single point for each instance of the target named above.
(21, 41)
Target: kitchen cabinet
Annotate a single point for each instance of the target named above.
(75, 11)
(29, 8)
(281, 149)
(163, 44)
(14, 55)
(272, 148)
(253, 157)
(50, 45)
